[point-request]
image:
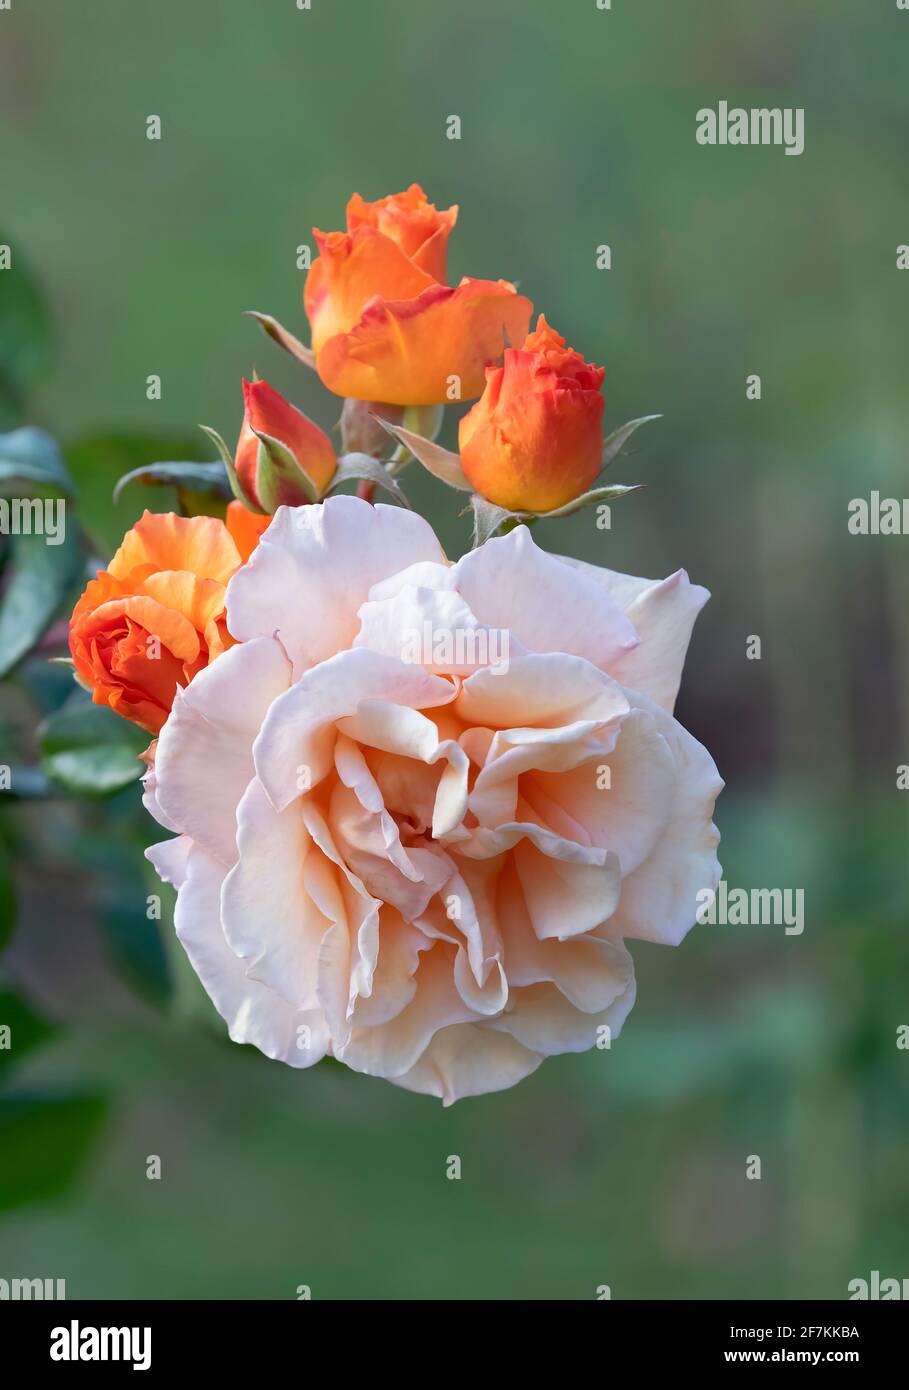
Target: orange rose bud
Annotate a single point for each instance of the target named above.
(385, 326)
(534, 440)
(269, 413)
(155, 617)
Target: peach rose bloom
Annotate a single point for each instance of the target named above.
(534, 439)
(155, 617)
(385, 326)
(421, 806)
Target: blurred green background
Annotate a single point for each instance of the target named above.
(624, 1167)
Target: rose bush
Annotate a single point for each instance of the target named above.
(429, 870)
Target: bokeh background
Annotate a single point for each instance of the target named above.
(624, 1167)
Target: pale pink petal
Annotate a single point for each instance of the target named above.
(313, 568)
(549, 606)
(469, 1060)
(663, 612)
(659, 901)
(621, 799)
(566, 898)
(295, 747)
(434, 629)
(404, 732)
(270, 920)
(203, 761)
(541, 692)
(393, 984)
(425, 574)
(395, 1046)
(543, 1019)
(253, 1013)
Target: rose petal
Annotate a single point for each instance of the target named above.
(313, 568)
(663, 612)
(204, 761)
(549, 606)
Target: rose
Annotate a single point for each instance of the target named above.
(534, 440)
(267, 413)
(428, 870)
(245, 528)
(385, 327)
(155, 617)
(414, 224)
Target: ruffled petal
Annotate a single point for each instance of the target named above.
(203, 761)
(314, 567)
(663, 612)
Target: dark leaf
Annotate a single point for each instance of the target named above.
(91, 751)
(44, 1142)
(30, 456)
(25, 331)
(40, 578)
(205, 478)
(97, 463)
(26, 1031)
(7, 899)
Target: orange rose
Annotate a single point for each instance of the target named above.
(413, 224)
(385, 326)
(267, 412)
(534, 441)
(149, 622)
(245, 528)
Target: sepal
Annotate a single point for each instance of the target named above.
(283, 337)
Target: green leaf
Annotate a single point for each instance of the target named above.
(360, 466)
(280, 335)
(280, 479)
(619, 437)
(7, 902)
(195, 477)
(25, 331)
(41, 577)
(134, 939)
(27, 784)
(487, 518)
(26, 1030)
(586, 499)
(89, 750)
(97, 462)
(44, 1142)
(227, 459)
(490, 520)
(30, 456)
